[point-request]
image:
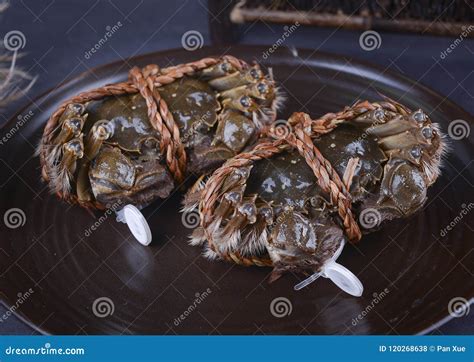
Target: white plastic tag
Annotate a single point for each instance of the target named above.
(340, 275)
(343, 278)
(136, 222)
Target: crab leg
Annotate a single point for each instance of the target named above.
(72, 151)
(71, 123)
(100, 132)
(237, 79)
(255, 235)
(221, 69)
(245, 214)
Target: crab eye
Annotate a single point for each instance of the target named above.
(74, 147)
(103, 130)
(419, 116)
(379, 114)
(76, 108)
(243, 173)
(233, 197)
(262, 88)
(245, 101)
(255, 73)
(226, 67)
(74, 123)
(248, 209)
(266, 212)
(416, 152)
(427, 132)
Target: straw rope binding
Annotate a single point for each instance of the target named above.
(144, 81)
(303, 131)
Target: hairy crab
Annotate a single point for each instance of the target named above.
(292, 201)
(132, 142)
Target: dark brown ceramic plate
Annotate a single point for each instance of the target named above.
(152, 288)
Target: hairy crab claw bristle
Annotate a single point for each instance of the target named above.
(191, 198)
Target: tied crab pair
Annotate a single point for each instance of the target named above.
(269, 198)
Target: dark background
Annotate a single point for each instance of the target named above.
(58, 34)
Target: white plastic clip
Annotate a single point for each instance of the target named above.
(136, 222)
(340, 275)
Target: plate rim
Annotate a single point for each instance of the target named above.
(366, 65)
